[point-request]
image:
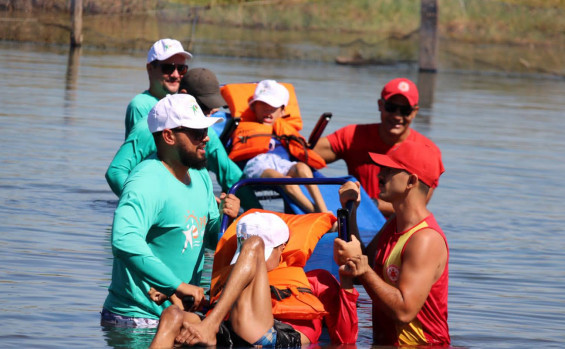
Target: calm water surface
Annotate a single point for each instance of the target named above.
(500, 201)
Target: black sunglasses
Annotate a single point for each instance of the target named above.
(404, 110)
(169, 68)
(198, 134)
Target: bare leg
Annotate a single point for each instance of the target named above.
(252, 314)
(292, 190)
(170, 326)
(246, 294)
(301, 170)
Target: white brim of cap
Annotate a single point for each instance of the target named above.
(186, 55)
(202, 122)
(270, 100)
(268, 251)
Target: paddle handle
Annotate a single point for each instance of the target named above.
(343, 221)
(188, 302)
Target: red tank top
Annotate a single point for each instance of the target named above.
(430, 325)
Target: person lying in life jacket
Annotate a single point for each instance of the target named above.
(268, 144)
(257, 311)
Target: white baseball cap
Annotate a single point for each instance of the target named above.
(178, 110)
(268, 226)
(166, 48)
(270, 92)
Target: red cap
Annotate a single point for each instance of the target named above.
(401, 86)
(421, 159)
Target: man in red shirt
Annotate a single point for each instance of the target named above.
(398, 107)
(404, 269)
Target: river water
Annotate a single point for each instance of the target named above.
(499, 202)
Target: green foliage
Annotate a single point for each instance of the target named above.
(486, 21)
(512, 21)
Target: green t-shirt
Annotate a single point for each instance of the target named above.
(160, 229)
(138, 109)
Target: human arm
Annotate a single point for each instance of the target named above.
(136, 213)
(423, 262)
(183, 291)
(229, 205)
(138, 146)
(133, 115)
(138, 109)
(349, 191)
(324, 149)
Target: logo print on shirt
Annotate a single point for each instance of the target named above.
(393, 272)
(193, 228)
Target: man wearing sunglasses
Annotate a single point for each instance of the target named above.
(398, 106)
(203, 85)
(166, 64)
(166, 215)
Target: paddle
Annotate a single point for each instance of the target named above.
(343, 221)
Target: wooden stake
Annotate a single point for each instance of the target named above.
(428, 36)
(76, 23)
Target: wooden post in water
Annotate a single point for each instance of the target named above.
(428, 35)
(428, 52)
(76, 23)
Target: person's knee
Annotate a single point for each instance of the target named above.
(303, 170)
(172, 314)
(254, 247)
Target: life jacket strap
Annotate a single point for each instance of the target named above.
(282, 293)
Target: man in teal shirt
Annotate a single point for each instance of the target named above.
(166, 215)
(166, 64)
(204, 86)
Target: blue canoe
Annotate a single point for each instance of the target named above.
(369, 218)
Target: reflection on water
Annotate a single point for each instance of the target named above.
(499, 201)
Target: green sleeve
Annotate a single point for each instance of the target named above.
(138, 109)
(133, 218)
(226, 171)
(133, 115)
(138, 146)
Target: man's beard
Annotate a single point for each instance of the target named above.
(190, 160)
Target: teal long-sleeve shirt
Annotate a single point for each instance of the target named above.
(160, 229)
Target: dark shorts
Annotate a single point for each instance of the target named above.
(287, 337)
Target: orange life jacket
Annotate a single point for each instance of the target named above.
(291, 295)
(252, 138)
(237, 97)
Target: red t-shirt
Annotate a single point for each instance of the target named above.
(431, 320)
(342, 321)
(353, 143)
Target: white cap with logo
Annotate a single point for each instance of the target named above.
(272, 93)
(178, 110)
(165, 49)
(268, 226)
